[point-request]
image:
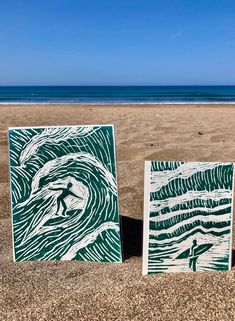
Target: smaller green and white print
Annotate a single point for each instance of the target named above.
(187, 216)
(64, 193)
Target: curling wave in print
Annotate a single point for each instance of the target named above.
(67, 204)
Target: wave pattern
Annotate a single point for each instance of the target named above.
(190, 213)
(64, 194)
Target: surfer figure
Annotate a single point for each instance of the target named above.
(193, 253)
(193, 257)
(60, 200)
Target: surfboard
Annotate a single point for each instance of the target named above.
(184, 255)
(200, 249)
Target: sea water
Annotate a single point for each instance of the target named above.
(117, 94)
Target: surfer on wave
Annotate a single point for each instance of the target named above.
(61, 198)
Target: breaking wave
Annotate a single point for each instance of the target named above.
(41, 232)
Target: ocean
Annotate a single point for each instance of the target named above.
(117, 94)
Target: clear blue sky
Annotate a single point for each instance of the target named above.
(105, 42)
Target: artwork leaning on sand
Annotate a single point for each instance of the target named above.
(64, 193)
(187, 216)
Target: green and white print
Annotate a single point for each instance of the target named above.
(64, 193)
(187, 216)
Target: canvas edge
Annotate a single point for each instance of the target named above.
(59, 126)
(116, 174)
(10, 187)
(147, 173)
(231, 228)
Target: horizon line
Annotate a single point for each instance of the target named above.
(112, 85)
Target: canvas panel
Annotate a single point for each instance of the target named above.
(187, 216)
(64, 193)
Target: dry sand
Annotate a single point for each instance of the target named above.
(53, 291)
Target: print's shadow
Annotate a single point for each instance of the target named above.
(233, 257)
(132, 236)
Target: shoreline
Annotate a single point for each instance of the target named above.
(116, 106)
(205, 103)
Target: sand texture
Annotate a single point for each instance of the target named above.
(53, 291)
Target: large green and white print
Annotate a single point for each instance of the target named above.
(64, 193)
(187, 216)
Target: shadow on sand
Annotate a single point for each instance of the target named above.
(132, 236)
(233, 257)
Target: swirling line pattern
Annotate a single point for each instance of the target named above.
(64, 194)
(188, 203)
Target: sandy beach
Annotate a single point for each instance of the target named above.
(93, 291)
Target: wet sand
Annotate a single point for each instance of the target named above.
(93, 291)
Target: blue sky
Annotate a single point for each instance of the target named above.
(137, 42)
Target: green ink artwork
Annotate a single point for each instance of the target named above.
(187, 216)
(64, 194)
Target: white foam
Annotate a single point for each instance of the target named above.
(122, 103)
